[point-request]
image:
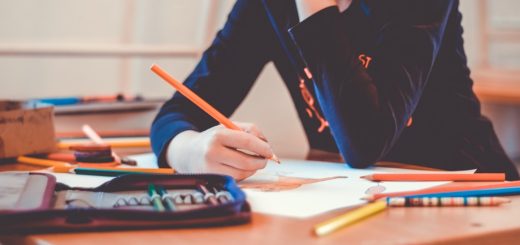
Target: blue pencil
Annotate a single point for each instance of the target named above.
(475, 193)
(61, 101)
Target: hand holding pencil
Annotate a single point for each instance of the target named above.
(230, 148)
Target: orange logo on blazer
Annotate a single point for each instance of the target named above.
(365, 60)
(409, 122)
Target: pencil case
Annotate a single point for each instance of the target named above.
(36, 203)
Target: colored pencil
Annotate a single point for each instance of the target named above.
(57, 166)
(201, 103)
(156, 199)
(92, 135)
(440, 189)
(349, 218)
(170, 206)
(366, 211)
(445, 201)
(208, 196)
(116, 134)
(133, 143)
(61, 101)
(474, 193)
(436, 177)
(130, 143)
(121, 171)
(69, 157)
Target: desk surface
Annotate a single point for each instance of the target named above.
(475, 225)
(447, 225)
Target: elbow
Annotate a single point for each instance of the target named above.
(360, 160)
(365, 139)
(363, 154)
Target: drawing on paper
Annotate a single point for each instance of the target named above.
(283, 183)
(376, 189)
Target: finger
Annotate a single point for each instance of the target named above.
(244, 141)
(238, 174)
(240, 160)
(251, 129)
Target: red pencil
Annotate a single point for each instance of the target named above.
(440, 189)
(436, 177)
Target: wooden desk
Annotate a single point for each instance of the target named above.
(472, 225)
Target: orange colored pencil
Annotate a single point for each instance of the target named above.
(202, 104)
(440, 189)
(436, 177)
(132, 143)
(57, 166)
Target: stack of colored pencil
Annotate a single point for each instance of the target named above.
(65, 167)
(459, 196)
(498, 189)
(504, 188)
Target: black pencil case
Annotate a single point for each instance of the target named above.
(123, 203)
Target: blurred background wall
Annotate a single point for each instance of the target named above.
(81, 48)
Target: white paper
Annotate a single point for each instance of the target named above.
(315, 198)
(78, 180)
(147, 160)
(286, 195)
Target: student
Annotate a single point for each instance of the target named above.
(374, 80)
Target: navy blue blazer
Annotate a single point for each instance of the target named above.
(375, 68)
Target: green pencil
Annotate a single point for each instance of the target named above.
(170, 206)
(120, 171)
(156, 199)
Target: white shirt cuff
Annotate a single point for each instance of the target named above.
(306, 8)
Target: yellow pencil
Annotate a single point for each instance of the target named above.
(349, 218)
(58, 166)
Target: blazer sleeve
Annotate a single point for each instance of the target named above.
(367, 108)
(223, 76)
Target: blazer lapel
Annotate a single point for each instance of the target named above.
(282, 15)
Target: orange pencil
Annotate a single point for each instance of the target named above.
(440, 189)
(133, 143)
(436, 177)
(202, 104)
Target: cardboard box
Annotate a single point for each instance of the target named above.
(26, 128)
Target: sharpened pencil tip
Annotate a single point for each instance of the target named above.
(275, 158)
(367, 177)
(369, 198)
